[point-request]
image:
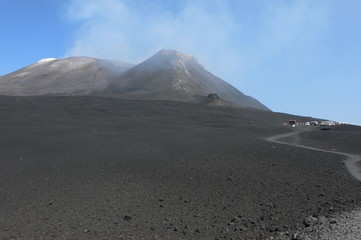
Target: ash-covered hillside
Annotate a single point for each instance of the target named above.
(171, 75)
(107, 168)
(70, 76)
(168, 75)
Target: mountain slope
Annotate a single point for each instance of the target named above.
(170, 75)
(69, 76)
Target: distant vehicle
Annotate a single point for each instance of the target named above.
(292, 123)
(327, 123)
(314, 123)
(307, 124)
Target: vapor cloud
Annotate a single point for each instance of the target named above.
(226, 36)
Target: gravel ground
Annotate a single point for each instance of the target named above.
(346, 226)
(341, 226)
(98, 168)
(342, 138)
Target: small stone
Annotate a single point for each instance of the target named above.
(333, 221)
(322, 219)
(262, 226)
(127, 218)
(295, 236)
(242, 229)
(309, 221)
(230, 178)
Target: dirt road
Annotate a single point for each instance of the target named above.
(351, 161)
(345, 226)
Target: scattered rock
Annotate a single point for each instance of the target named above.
(230, 178)
(235, 219)
(309, 221)
(333, 221)
(321, 219)
(295, 236)
(127, 218)
(213, 96)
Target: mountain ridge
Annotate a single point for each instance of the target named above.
(68, 76)
(167, 75)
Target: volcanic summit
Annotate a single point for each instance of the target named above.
(168, 75)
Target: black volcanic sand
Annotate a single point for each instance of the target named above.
(101, 168)
(342, 138)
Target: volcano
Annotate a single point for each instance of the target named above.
(168, 75)
(171, 75)
(189, 165)
(70, 76)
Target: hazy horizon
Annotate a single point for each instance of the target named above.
(298, 57)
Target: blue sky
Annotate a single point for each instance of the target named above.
(299, 57)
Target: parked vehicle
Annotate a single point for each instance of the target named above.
(327, 123)
(293, 123)
(314, 123)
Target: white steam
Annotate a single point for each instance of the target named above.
(225, 36)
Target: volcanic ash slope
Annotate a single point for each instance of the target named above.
(171, 75)
(68, 76)
(168, 75)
